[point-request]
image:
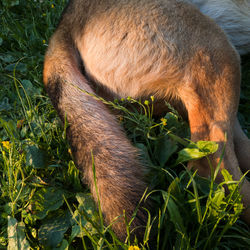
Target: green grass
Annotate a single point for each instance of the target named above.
(43, 203)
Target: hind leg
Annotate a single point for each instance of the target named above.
(212, 125)
(242, 147)
(211, 100)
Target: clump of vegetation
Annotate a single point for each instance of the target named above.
(43, 203)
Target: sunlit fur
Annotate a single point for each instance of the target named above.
(138, 48)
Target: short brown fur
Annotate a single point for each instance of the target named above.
(139, 48)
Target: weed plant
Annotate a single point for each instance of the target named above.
(44, 204)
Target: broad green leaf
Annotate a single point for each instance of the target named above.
(196, 151)
(46, 200)
(86, 202)
(16, 66)
(52, 231)
(12, 233)
(165, 147)
(30, 89)
(207, 147)
(75, 231)
(188, 154)
(7, 58)
(35, 157)
(16, 235)
(85, 213)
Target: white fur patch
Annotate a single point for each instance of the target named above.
(233, 16)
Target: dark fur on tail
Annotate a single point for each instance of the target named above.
(94, 131)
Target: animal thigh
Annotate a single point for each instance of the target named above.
(133, 51)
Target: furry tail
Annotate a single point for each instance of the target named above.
(94, 130)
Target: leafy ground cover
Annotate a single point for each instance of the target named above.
(43, 203)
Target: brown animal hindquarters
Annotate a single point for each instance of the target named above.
(93, 130)
(139, 48)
